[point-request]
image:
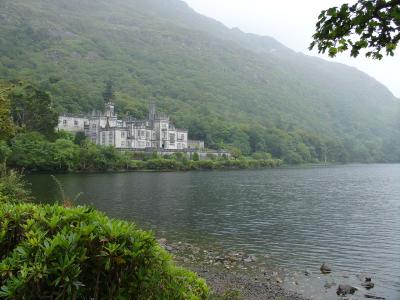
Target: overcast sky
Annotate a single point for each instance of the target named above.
(292, 22)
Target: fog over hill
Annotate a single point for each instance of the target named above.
(230, 88)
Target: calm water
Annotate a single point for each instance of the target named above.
(348, 216)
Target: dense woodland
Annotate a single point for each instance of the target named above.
(236, 91)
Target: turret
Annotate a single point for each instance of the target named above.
(109, 110)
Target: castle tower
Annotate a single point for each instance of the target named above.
(109, 110)
(152, 112)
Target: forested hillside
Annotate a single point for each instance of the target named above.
(230, 88)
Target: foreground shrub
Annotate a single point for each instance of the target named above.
(49, 252)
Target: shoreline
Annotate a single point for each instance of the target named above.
(232, 275)
(282, 166)
(237, 275)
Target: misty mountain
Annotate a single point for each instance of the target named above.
(228, 87)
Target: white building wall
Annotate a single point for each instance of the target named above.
(72, 124)
(172, 140)
(182, 139)
(94, 129)
(107, 137)
(121, 138)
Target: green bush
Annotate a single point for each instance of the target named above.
(162, 164)
(196, 157)
(13, 188)
(49, 251)
(140, 155)
(136, 165)
(204, 164)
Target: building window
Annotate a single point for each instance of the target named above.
(110, 135)
(172, 138)
(123, 134)
(94, 126)
(76, 123)
(65, 122)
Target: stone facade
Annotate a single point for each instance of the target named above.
(72, 123)
(195, 144)
(104, 128)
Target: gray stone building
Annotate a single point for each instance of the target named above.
(104, 128)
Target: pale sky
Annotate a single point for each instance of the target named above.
(292, 22)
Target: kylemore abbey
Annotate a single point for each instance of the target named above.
(104, 128)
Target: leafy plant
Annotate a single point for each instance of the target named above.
(49, 252)
(372, 25)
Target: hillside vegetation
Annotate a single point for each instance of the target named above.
(230, 88)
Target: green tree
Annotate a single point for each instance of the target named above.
(262, 155)
(5, 152)
(31, 109)
(90, 157)
(80, 138)
(235, 152)
(31, 151)
(373, 25)
(65, 154)
(7, 128)
(64, 135)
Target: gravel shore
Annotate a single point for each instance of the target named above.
(223, 282)
(233, 275)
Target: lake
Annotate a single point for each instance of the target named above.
(348, 216)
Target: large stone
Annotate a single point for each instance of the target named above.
(345, 289)
(325, 268)
(368, 285)
(364, 277)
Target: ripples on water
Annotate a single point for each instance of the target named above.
(348, 215)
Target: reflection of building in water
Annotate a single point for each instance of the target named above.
(104, 128)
